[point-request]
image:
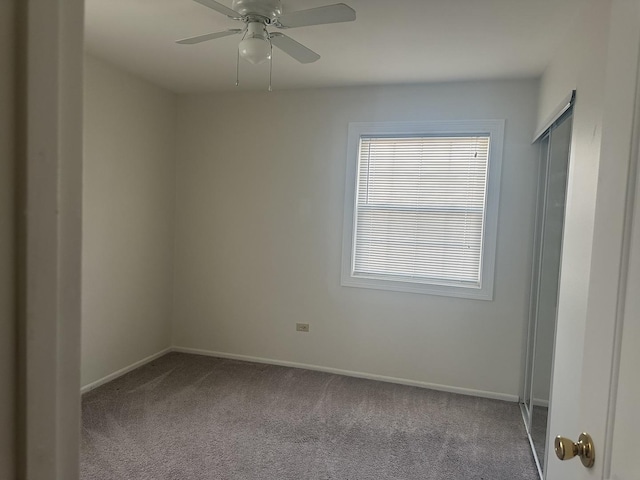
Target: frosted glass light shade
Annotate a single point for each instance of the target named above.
(255, 50)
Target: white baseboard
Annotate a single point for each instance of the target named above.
(349, 373)
(122, 371)
(370, 376)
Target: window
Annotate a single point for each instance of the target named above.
(422, 206)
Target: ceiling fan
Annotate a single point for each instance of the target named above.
(257, 43)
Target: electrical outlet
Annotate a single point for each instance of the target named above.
(302, 327)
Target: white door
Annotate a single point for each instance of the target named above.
(596, 387)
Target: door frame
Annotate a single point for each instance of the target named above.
(621, 461)
(631, 203)
(50, 48)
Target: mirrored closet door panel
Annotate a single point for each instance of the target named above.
(552, 187)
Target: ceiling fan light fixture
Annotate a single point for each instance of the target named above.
(257, 43)
(255, 48)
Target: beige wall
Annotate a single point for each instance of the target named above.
(128, 220)
(7, 232)
(260, 201)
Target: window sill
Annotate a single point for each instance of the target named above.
(471, 293)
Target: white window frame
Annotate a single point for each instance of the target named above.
(495, 130)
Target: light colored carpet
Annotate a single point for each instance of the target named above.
(186, 417)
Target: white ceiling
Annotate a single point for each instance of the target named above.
(391, 42)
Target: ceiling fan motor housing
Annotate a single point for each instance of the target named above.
(269, 9)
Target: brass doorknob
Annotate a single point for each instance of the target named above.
(567, 449)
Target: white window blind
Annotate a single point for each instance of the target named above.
(420, 208)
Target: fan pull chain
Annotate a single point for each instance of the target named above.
(237, 67)
(270, 66)
(238, 61)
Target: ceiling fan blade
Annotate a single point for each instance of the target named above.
(296, 50)
(208, 36)
(218, 7)
(317, 16)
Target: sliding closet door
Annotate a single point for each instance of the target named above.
(548, 276)
(533, 305)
